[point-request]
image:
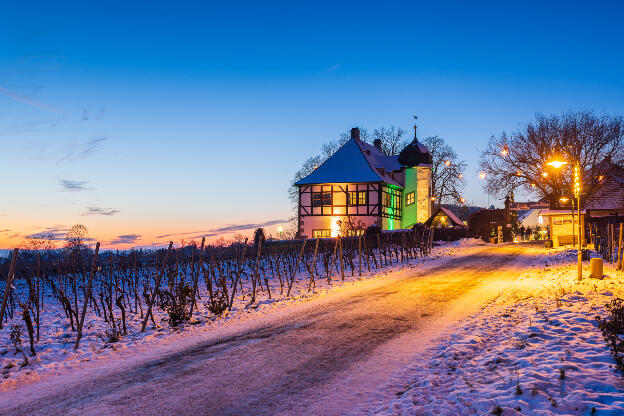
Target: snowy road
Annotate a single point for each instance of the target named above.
(334, 356)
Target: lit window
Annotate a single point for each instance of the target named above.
(410, 198)
(321, 233)
(357, 198)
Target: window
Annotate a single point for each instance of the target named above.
(410, 198)
(321, 199)
(357, 198)
(321, 233)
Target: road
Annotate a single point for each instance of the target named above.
(335, 358)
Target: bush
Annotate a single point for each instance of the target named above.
(177, 303)
(218, 303)
(612, 328)
(111, 335)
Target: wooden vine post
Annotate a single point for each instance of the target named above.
(294, 269)
(156, 286)
(331, 266)
(341, 259)
(312, 281)
(360, 252)
(87, 296)
(7, 288)
(200, 264)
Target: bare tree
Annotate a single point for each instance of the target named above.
(42, 242)
(519, 160)
(76, 238)
(447, 172)
(391, 139)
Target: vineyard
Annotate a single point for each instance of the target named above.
(60, 299)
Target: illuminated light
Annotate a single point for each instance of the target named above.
(462, 200)
(533, 185)
(448, 163)
(433, 198)
(504, 152)
(460, 176)
(315, 167)
(545, 174)
(519, 173)
(557, 163)
(564, 199)
(540, 220)
(482, 175)
(280, 229)
(335, 228)
(577, 182)
(600, 178)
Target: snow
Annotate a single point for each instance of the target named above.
(536, 349)
(55, 354)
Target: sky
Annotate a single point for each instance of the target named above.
(157, 121)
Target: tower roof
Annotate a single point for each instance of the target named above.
(415, 153)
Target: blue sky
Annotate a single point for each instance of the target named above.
(154, 118)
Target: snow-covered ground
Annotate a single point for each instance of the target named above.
(536, 349)
(55, 354)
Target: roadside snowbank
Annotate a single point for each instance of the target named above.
(536, 349)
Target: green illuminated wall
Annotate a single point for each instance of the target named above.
(410, 212)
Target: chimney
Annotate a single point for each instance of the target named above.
(355, 133)
(377, 144)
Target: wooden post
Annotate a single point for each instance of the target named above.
(7, 288)
(156, 286)
(360, 252)
(199, 267)
(294, 270)
(619, 253)
(341, 259)
(379, 250)
(331, 266)
(313, 265)
(366, 255)
(87, 296)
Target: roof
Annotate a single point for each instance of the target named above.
(355, 161)
(610, 196)
(415, 154)
(455, 222)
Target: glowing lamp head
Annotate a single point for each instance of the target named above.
(482, 175)
(564, 199)
(545, 174)
(460, 176)
(447, 163)
(433, 198)
(533, 185)
(504, 152)
(462, 200)
(557, 163)
(519, 173)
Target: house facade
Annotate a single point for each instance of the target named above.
(359, 186)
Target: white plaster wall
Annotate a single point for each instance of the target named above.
(423, 194)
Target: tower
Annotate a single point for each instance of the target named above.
(416, 160)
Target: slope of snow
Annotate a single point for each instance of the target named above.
(537, 349)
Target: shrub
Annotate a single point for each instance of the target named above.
(612, 328)
(177, 303)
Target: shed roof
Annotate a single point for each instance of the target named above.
(455, 222)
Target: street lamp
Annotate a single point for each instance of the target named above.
(577, 194)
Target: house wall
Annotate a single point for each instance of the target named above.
(329, 222)
(326, 217)
(410, 212)
(564, 226)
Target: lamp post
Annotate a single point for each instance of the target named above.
(577, 194)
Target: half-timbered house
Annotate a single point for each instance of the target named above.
(360, 185)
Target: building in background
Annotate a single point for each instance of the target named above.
(359, 186)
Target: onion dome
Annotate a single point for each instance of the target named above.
(415, 153)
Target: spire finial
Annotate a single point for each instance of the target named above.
(415, 126)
